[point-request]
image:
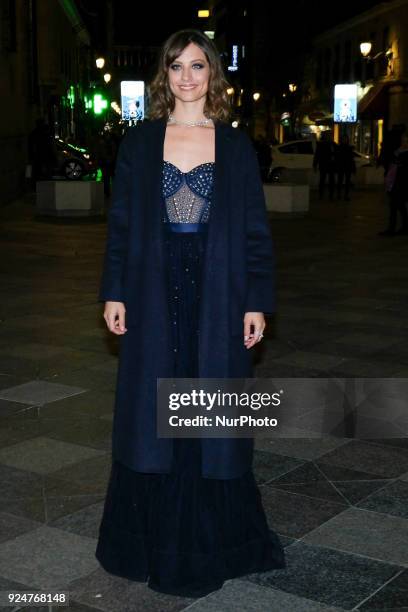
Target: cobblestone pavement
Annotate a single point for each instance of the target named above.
(338, 503)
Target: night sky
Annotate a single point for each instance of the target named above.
(158, 20)
(149, 23)
(153, 23)
(320, 15)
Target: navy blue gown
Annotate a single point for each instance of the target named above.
(180, 532)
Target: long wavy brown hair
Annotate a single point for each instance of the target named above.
(162, 99)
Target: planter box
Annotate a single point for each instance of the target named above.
(286, 197)
(70, 198)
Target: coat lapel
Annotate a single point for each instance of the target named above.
(214, 314)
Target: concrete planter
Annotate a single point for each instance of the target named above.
(70, 198)
(287, 198)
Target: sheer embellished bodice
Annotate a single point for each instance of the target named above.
(187, 195)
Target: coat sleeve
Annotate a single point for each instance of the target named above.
(111, 285)
(260, 248)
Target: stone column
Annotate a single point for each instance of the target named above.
(398, 104)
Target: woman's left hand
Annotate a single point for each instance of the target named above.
(256, 319)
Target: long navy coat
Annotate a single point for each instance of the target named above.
(238, 278)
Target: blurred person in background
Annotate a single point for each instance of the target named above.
(396, 181)
(391, 142)
(325, 161)
(104, 147)
(345, 167)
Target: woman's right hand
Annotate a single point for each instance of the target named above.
(114, 316)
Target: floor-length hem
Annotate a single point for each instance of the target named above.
(152, 525)
(127, 555)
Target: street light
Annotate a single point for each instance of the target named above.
(365, 48)
(116, 107)
(100, 62)
(256, 96)
(292, 87)
(107, 77)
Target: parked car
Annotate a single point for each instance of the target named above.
(73, 162)
(298, 154)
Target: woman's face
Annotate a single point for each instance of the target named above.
(189, 74)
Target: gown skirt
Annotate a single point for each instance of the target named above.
(179, 532)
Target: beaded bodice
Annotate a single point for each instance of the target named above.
(187, 195)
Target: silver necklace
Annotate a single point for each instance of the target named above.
(171, 119)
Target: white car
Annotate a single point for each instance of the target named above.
(298, 155)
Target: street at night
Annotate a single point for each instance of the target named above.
(96, 513)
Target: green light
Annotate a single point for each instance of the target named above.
(71, 96)
(99, 104)
(74, 148)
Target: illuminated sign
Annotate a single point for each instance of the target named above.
(345, 103)
(99, 104)
(234, 63)
(132, 100)
(285, 119)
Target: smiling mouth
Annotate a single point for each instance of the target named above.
(186, 86)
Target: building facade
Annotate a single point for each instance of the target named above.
(44, 62)
(381, 75)
(253, 44)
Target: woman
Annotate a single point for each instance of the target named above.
(188, 276)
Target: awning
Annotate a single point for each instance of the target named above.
(326, 120)
(314, 115)
(307, 121)
(374, 104)
(312, 110)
